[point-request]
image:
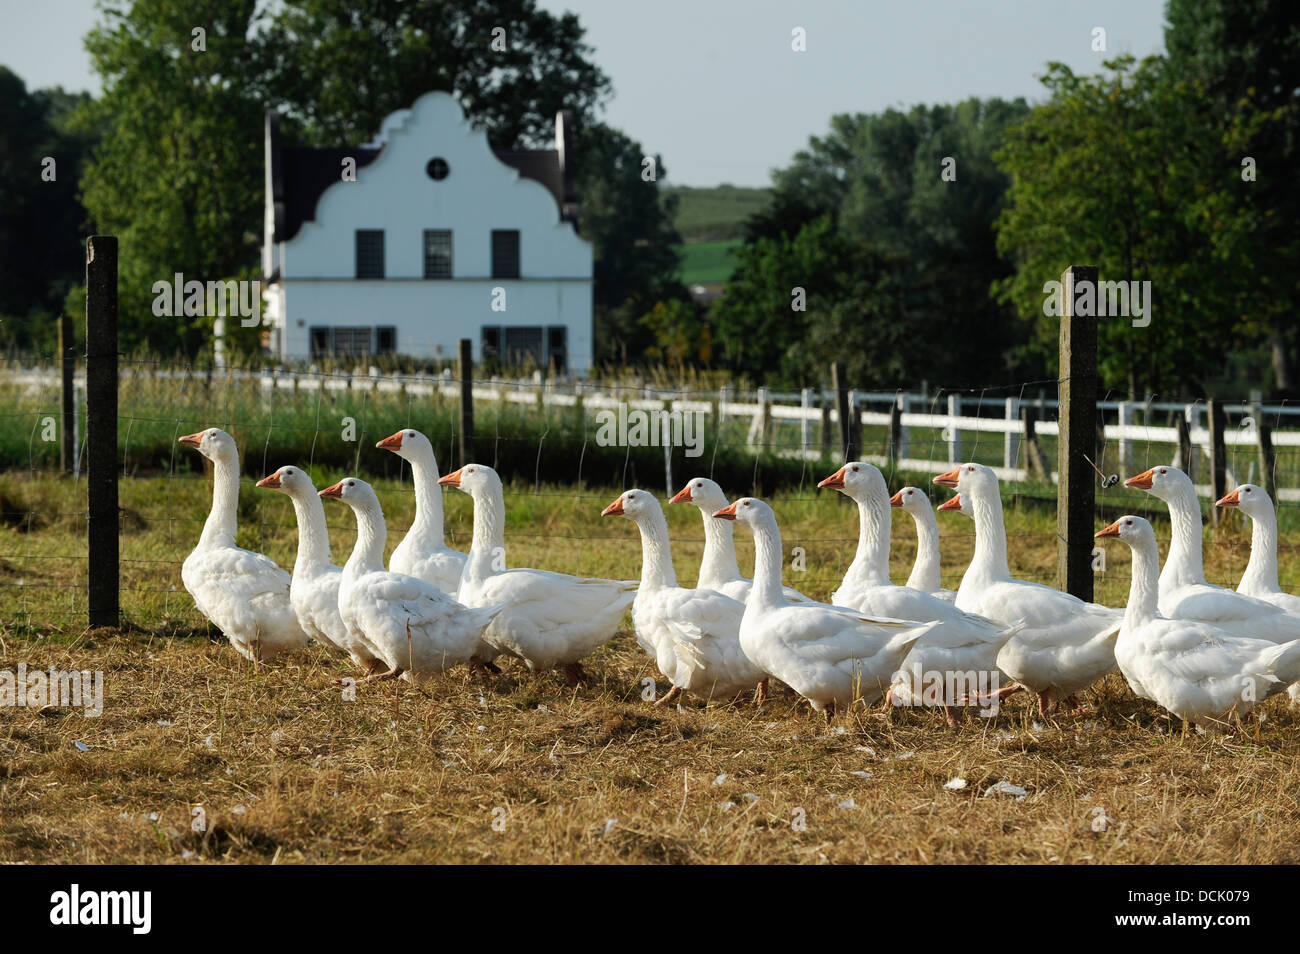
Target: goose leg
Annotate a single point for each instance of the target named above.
(393, 673)
(760, 693)
(669, 696)
(574, 674)
(829, 712)
(950, 713)
(481, 668)
(1046, 704)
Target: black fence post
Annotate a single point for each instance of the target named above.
(68, 427)
(841, 388)
(1076, 490)
(101, 430)
(466, 372)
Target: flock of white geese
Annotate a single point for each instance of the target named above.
(1205, 653)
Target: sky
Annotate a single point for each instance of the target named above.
(714, 86)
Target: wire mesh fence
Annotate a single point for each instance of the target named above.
(559, 447)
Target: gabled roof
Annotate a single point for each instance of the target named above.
(297, 176)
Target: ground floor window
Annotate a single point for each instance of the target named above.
(538, 346)
(352, 340)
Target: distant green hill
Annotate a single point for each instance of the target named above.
(707, 263)
(716, 213)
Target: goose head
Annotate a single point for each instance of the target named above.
(1132, 529)
(354, 492)
(750, 511)
(974, 482)
(860, 481)
(633, 504)
(955, 503)
(704, 493)
(213, 443)
(1167, 483)
(473, 479)
(911, 499)
(408, 444)
(1251, 499)
(288, 480)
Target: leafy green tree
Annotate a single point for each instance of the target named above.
(338, 67)
(1110, 171)
(178, 174)
(1242, 59)
(41, 219)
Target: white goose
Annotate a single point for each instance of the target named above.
(1191, 668)
(415, 628)
(718, 567)
(925, 574)
(423, 552)
(550, 620)
(693, 635)
(830, 655)
(245, 594)
(1260, 578)
(314, 591)
(962, 643)
(1184, 592)
(1066, 644)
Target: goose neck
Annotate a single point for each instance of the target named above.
(313, 534)
(656, 553)
(368, 552)
(1184, 564)
(990, 559)
(925, 571)
(428, 522)
(1144, 590)
(718, 564)
(870, 564)
(219, 528)
(488, 547)
(767, 590)
(1261, 571)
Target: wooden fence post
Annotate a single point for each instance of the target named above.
(1035, 459)
(103, 599)
(1186, 462)
(841, 388)
(895, 432)
(465, 368)
(1218, 458)
(805, 426)
(1125, 442)
(68, 428)
(1011, 440)
(1077, 417)
(1267, 459)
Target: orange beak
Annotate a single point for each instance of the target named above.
(273, 481)
(335, 492)
(727, 513)
(953, 503)
(393, 442)
(896, 500)
(613, 509)
(450, 480)
(1142, 481)
(1111, 531)
(835, 481)
(682, 496)
(191, 440)
(949, 479)
(1229, 500)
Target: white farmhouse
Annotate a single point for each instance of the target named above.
(435, 237)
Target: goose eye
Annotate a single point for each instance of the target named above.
(1248, 490)
(1163, 471)
(746, 503)
(855, 470)
(970, 470)
(352, 483)
(1128, 523)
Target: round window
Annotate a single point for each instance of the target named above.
(437, 168)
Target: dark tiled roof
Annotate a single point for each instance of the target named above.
(297, 176)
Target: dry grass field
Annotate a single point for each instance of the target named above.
(519, 768)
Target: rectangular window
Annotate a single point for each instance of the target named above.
(523, 346)
(385, 339)
(557, 347)
(505, 253)
(352, 341)
(370, 253)
(320, 342)
(437, 253)
(490, 347)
